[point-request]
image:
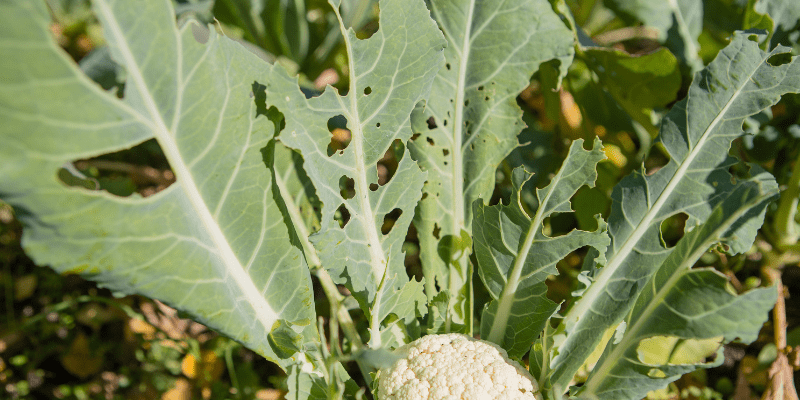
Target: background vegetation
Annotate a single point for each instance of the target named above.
(61, 337)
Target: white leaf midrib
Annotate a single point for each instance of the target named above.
(378, 261)
(264, 313)
(459, 222)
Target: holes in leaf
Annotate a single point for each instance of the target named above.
(340, 135)
(780, 59)
(387, 166)
(447, 66)
(444, 122)
(378, 125)
(347, 187)
(480, 88)
(389, 220)
(141, 169)
(739, 171)
(367, 91)
(561, 285)
(466, 103)
(445, 152)
(672, 229)
(368, 30)
(436, 231)
(656, 159)
(200, 33)
(431, 123)
(342, 215)
(559, 224)
(430, 141)
(373, 186)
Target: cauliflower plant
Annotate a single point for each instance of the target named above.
(454, 367)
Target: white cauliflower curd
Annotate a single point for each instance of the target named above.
(454, 367)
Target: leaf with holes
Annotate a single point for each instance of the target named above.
(213, 244)
(472, 120)
(515, 257)
(684, 315)
(390, 73)
(696, 134)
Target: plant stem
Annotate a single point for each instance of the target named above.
(785, 228)
(231, 369)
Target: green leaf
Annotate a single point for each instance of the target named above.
(515, 257)
(294, 193)
(304, 385)
(785, 14)
(390, 73)
(639, 84)
(679, 23)
(493, 48)
(753, 19)
(739, 83)
(684, 315)
(213, 244)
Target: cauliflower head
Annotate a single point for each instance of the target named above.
(454, 367)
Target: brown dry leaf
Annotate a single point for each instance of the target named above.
(80, 360)
(143, 328)
(181, 391)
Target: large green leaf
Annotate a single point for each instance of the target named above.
(515, 257)
(472, 120)
(679, 24)
(739, 83)
(390, 73)
(213, 244)
(684, 315)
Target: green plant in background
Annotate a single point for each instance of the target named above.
(274, 183)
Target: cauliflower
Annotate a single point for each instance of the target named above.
(454, 367)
